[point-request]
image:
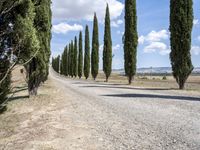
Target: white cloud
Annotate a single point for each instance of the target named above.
(157, 36)
(157, 47)
(101, 48)
(154, 36)
(116, 47)
(64, 28)
(195, 21)
(141, 39)
(195, 50)
(84, 9)
(155, 42)
(198, 38)
(116, 23)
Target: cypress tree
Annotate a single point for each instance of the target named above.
(72, 59)
(95, 49)
(58, 64)
(25, 29)
(107, 50)
(69, 60)
(181, 24)
(75, 62)
(62, 64)
(130, 39)
(87, 53)
(5, 44)
(66, 61)
(80, 56)
(42, 22)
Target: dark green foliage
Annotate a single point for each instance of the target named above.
(80, 56)
(56, 64)
(42, 23)
(181, 24)
(75, 61)
(64, 62)
(5, 85)
(69, 60)
(24, 29)
(130, 39)
(5, 42)
(95, 49)
(72, 59)
(107, 50)
(87, 54)
(31, 34)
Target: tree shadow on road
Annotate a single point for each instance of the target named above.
(129, 88)
(154, 96)
(98, 83)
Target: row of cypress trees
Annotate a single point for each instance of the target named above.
(71, 63)
(181, 23)
(26, 27)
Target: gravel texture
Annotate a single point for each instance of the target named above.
(79, 114)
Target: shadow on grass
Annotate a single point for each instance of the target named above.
(20, 89)
(186, 98)
(18, 98)
(2, 109)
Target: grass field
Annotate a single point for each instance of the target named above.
(154, 81)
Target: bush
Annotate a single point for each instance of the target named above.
(164, 78)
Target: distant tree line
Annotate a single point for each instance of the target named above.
(74, 64)
(25, 34)
(181, 23)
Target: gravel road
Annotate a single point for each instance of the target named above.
(88, 115)
(123, 117)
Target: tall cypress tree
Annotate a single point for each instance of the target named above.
(75, 62)
(69, 60)
(107, 50)
(42, 23)
(95, 49)
(62, 64)
(80, 56)
(66, 61)
(181, 24)
(87, 53)
(130, 39)
(72, 60)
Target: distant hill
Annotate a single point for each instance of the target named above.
(155, 70)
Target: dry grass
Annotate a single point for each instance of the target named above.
(193, 83)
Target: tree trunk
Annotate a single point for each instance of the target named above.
(181, 85)
(130, 79)
(106, 79)
(32, 81)
(33, 91)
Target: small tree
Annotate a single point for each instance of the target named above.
(95, 49)
(87, 53)
(181, 24)
(130, 39)
(80, 56)
(107, 50)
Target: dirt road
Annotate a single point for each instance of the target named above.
(76, 114)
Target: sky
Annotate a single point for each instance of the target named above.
(70, 17)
